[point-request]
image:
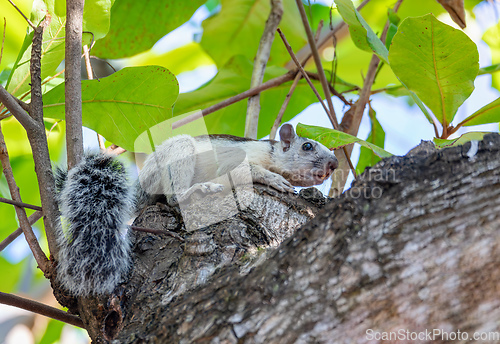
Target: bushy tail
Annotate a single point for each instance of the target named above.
(96, 201)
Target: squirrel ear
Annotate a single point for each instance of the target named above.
(287, 135)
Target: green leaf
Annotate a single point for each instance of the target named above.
(182, 59)
(238, 27)
(123, 105)
(489, 70)
(361, 33)
(437, 62)
(15, 30)
(490, 113)
(377, 138)
(151, 21)
(96, 17)
(52, 332)
(335, 139)
(470, 136)
(52, 46)
(492, 38)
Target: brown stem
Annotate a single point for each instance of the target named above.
(26, 18)
(317, 61)
(20, 204)
(3, 38)
(268, 84)
(259, 67)
(38, 142)
(73, 88)
(40, 308)
(277, 121)
(305, 54)
(306, 76)
(40, 257)
(37, 215)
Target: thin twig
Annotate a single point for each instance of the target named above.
(16, 110)
(315, 76)
(298, 77)
(277, 121)
(268, 84)
(40, 308)
(158, 232)
(319, 66)
(90, 76)
(305, 75)
(26, 18)
(37, 215)
(3, 38)
(259, 67)
(20, 204)
(40, 257)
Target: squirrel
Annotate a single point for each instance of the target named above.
(96, 198)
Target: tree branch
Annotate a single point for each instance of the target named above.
(21, 12)
(259, 67)
(40, 308)
(73, 86)
(38, 142)
(16, 110)
(268, 84)
(37, 215)
(40, 257)
(20, 204)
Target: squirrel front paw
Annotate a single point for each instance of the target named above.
(279, 183)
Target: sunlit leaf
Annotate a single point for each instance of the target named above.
(335, 139)
(137, 25)
(123, 105)
(437, 62)
(238, 27)
(361, 33)
(489, 113)
(476, 136)
(492, 38)
(377, 137)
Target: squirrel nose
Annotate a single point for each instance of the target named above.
(333, 164)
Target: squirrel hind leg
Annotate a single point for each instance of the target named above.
(203, 188)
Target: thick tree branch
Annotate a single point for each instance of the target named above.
(16, 110)
(259, 67)
(73, 87)
(37, 215)
(40, 308)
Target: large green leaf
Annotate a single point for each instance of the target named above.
(335, 139)
(123, 105)
(233, 79)
(96, 14)
(151, 21)
(237, 30)
(377, 137)
(490, 113)
(361, 33)
(437, 62)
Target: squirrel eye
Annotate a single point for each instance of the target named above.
(307, 146)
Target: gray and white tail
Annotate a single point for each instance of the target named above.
(96, 201)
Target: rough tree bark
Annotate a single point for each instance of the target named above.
(413, 246)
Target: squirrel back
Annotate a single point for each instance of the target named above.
(96, 201)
